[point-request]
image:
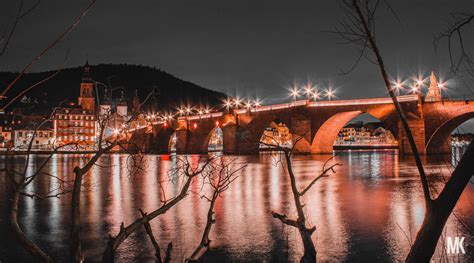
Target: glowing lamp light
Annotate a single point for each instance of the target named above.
(237, 102)
(330, 93)
(217, 123)
(228, 103)
(188, 110)
(195, 125)
(248, 105)
(398, 85)
(414, 89)
(116, 131)
(442, 85)
(308, 90)
(207, 111)
(316, 95)
(200, 112)
(257, 103)
(165, 124)
(294, 92)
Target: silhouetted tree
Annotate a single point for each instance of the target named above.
(20, 179)
(223, 173)
(184, 170)
(359, 29)
(300, 221)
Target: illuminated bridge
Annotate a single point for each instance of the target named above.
(314, 125)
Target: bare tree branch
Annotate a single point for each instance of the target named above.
(49, 47)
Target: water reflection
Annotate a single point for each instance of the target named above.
(369, 210)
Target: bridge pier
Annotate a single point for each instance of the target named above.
(417, 127)
(181, 141)
(231, 145)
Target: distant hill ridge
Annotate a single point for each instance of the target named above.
(66, 86)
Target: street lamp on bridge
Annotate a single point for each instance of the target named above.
(316, 95)
(257, 102)
(294, 92)
(330, 93)
(308, 90)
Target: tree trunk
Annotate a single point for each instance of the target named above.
(114, 242)
(202, 247)
(427, 238)
(309, 249)
(437, 213)
(305, 233)
(75, 243)
(210, 220)
(28, 245)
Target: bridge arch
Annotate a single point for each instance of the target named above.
(252, 133)
(327, 133)
(172, 143)
(218, 132)
(439, 142)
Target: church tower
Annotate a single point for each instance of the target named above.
(105, 105)
(136, 102)
(434, 93)
(86, 97)
(122, 106)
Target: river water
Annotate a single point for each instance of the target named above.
(370, 210)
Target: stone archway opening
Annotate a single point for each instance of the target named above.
(452, 136)
(365, 132)
(215, 142)
(275, 134)
(172, 143)
(353, 130)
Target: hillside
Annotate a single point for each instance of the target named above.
(66, 86)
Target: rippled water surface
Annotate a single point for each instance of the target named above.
(369, 210)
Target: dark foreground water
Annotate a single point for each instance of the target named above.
(369, 210)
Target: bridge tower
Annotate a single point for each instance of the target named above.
(433, 94)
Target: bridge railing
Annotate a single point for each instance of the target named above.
(403, 98)
(274, 107)
(298, 103)
(202, 116)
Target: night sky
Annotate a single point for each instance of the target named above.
(246, 47)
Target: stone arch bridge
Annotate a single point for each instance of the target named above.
(315, 124)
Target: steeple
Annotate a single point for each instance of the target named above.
(122, 99)
(86, 97)
(106, 99)
(434, 93)
(136, 102)
(86, 75)
(122, 106)
(105, 105)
